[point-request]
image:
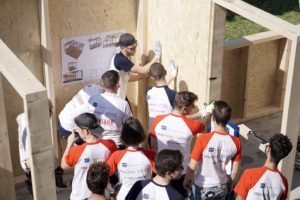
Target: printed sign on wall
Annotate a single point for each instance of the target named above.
(87, 57)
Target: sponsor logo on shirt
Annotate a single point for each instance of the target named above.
(124, 164)
(95, 104)
(211, 149)
(262, 185)
(163, 127)
(146, 196)
(86, 160)
(147, 97)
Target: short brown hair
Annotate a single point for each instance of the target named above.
(167, 160)
(110, 79)
(97, 177)
(132, 132)
(184, 99)
(222, 113)
(157, 71)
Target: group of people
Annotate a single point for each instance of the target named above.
(104, 142)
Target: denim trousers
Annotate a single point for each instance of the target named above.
(211, 193)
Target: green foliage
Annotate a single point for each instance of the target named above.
(237, 26)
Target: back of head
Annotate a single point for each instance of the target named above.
(97, 177)
(89, 121)
(110, 79)
(222, 113)
(280, 146)
(132, 133)
(167, 160)
(157, 71)
(126, 40)
(184, 99)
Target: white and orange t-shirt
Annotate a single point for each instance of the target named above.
(213, 151)
(176, 132)
(81, 157)
(133, 164)
(262, 183)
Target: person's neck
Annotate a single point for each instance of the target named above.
(270, 164)
(125, 53)
(177, 112)
(219, 128)
(97, 197)
(91, 138)
(161, 180)
(160, 83)
(110, 91)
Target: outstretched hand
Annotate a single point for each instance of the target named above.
(157, 50)
(173, 68)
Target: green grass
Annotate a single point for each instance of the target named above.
(237, 26)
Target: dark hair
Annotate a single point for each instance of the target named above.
(185, 99)
(97, 177)
(110, 79)
(157, 71)
(126, 40)
(167, 160)
(222, 113)
(280, 147)
(132, 132)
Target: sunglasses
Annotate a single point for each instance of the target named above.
(131, 48)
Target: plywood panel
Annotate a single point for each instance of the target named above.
(19, 25)
(182, 29)
(261, 75)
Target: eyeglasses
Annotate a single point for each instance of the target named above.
(132, 48)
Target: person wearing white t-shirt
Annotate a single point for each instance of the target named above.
(79, 104)
(111, 110)
(211, 153)
(266, 182)
(121, 62)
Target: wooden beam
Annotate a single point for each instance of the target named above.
(7, 186)
(216, 50)
(142, 37)
(17, 74)
(260, 17)
(48, 68)
(290, 125)
(41, 152)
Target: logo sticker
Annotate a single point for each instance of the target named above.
(86, 160)
(147, 97)
(146, 196)
(262, 185)
(211, 149)
(163, 127)
(95, 104)
(124, 164)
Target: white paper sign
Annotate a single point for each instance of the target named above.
(87, 57)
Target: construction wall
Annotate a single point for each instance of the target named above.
(19, 25)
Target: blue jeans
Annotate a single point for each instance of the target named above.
(212, 193)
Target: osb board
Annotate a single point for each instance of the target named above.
(75, 18)
(19, 25)
(183, 30)
(231, 80)
(261, 75)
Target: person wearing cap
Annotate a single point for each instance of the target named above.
(81, 157)
(121, 62)
(77, 105)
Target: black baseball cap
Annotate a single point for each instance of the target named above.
(126, 40)
(89, 121)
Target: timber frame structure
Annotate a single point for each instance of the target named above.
(290, 125)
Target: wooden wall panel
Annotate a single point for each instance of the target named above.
(261, 75)
(19, 25)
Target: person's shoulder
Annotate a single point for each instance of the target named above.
(173, 193)
(148, 89)
(110, 144)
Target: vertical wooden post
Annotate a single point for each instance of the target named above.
(48, 67)
(142, 23)
(7, 185)
(216, 51)
(290, 125)
(41, 155)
